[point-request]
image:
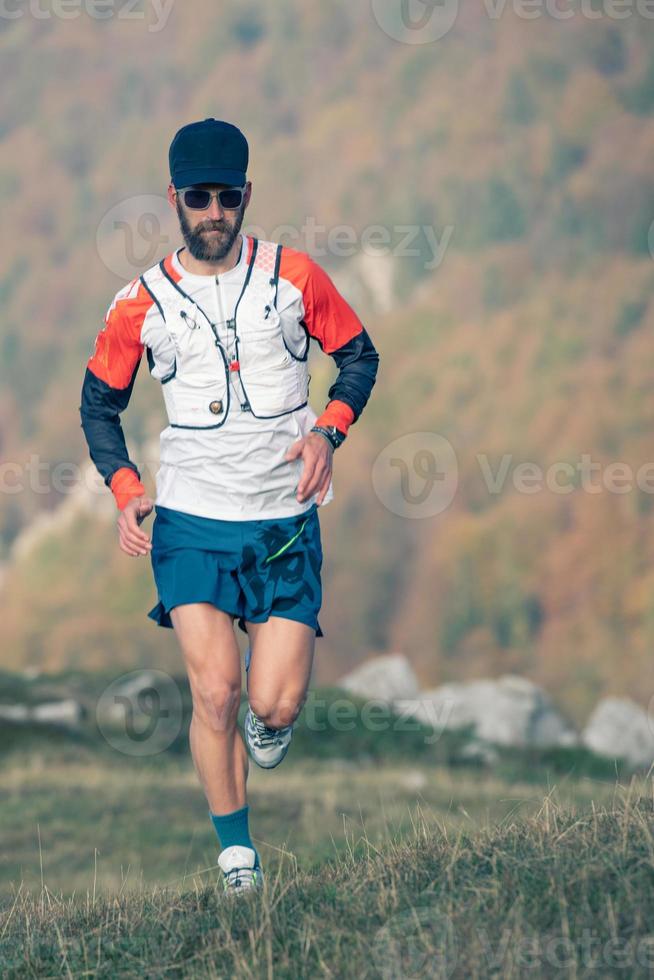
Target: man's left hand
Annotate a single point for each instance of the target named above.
(317, 470)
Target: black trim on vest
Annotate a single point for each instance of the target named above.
(179, 425)
(218, 425)
(152, 364)
(255, 247)
(151, 361)
(197, 305)
(304, 356)
(245, 406)
(164, 272)
(275, 279)
(153, 297)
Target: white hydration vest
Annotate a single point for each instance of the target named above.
(195, 367)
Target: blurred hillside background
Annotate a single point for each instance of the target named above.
(526, 148)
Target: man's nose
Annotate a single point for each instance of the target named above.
(214, 210)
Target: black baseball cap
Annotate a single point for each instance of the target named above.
(208, 152)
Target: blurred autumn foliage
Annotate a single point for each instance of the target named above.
(531, 340)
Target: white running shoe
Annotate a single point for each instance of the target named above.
(267, 746)
(239, 874)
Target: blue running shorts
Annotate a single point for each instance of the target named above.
(251, 569)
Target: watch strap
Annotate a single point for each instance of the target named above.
(333, 435)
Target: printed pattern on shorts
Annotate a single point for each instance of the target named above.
(282, 573)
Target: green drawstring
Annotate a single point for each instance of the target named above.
(288, 543)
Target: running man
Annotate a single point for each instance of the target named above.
(226, 321)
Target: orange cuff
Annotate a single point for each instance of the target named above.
(125, 484)
(337, 413)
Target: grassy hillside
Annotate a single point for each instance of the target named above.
(528, 147)
(557, 893)
(385, 853)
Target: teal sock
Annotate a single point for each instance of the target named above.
(232, 828)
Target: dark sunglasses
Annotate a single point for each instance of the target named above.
(199, 199)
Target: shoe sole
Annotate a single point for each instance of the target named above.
(263, 765)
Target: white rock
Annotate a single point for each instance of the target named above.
(111, 705)
(619, 728)
(67, 712)
(480, 752)
(414, 780)
(144, 680)
(14, 712)
(508, 711)
(386, 678)
(369, 281)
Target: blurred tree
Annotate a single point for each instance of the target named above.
(519, 104)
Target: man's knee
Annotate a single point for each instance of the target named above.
(217, 701)
(276, 712)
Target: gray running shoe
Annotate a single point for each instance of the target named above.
(267, 746)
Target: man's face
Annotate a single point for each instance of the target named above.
(210, 234)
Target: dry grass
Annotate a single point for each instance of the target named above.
(109, 870)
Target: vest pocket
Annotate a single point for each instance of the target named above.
(262, 345)
(274, 392)
(198, 405)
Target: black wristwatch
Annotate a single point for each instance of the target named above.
(333, 435)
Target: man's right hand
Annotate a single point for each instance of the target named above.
(133, 540)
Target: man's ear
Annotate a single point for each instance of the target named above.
(171, 195)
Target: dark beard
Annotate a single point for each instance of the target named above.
(212, 249)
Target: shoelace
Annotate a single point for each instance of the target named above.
(239, 877)
(264, 735)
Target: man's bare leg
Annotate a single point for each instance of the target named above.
(213, 664)
(280, 669)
